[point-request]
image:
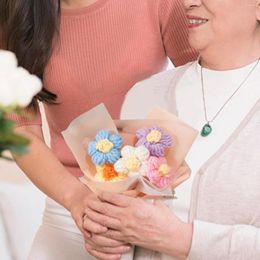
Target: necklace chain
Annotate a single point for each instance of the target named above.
(228, 99)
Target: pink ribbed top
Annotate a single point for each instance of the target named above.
(102, 51)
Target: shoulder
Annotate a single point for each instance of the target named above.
(146, 94)
(153, 84)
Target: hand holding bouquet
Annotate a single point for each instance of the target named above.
(117, 155)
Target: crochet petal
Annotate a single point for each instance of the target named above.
(157, 150)
(99, 158)
(162, 183)
(116, 140)
(144, 168)
(120, 166)
(165, 182)
(113, 156)
(166, 140)
(159, 181)
(142, 153)
(153, 176)
(141, 141)
(127, 151)
(103, 134)
(92, 148)
(142, 132)
(153, 163)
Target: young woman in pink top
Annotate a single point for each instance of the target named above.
(86, 52)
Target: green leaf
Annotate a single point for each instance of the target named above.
(15, 148)
(6, 126)
(12, 138)
(8, 109)
(2, 113)
(10, 141)
(18, 149)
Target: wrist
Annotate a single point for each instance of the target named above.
(74, 192)
(179, 240)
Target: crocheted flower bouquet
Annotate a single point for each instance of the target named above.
(117, 155)
(115, 162)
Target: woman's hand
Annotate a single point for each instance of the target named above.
(99, 244)
(95, 242)
(78, 202)
(103, 247)
(138, 222)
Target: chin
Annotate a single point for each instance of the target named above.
(197, 43)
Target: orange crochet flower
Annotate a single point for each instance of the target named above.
(109, 172)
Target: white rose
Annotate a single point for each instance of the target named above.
(17, 85)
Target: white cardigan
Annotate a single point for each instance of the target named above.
(222, 195)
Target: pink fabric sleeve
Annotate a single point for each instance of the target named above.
(174, 30)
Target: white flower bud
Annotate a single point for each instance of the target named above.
(17, 85)
(8, 62)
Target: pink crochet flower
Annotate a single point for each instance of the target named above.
(159, 173)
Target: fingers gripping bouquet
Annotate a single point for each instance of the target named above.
(118, 155)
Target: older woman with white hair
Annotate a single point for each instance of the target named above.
(217, 214)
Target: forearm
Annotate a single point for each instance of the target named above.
(47, 172)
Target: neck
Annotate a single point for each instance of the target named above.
(77, 3)
(226, 57)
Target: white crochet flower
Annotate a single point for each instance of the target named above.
(134, 160)
(17, 85)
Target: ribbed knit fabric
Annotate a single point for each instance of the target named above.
(102, 51)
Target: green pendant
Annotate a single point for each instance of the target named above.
(206, 130)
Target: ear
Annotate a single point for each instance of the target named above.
(257, 10)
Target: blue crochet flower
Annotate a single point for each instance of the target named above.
(105, 148)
